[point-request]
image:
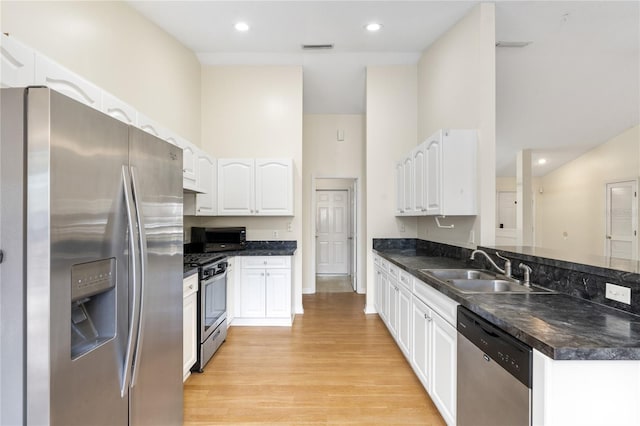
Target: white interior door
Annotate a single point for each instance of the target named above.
(332, 219)
(506, 218)
(622, 220)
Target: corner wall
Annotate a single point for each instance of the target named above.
(392, 125)
(256, 112)
(111, 45)
(456, 90)
(326, 157)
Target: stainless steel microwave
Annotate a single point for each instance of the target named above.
(206, 240)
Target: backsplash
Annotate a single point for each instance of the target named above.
(577, 280)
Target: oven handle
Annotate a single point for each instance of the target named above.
(214, 278)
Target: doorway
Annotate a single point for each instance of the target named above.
(335, 234)
(621, 233)
(506, 212)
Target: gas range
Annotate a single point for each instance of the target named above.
(201, 259)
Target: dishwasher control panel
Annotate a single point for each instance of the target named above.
(510, 353)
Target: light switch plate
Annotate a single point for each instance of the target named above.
(618, 293)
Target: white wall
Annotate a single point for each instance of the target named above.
(114, 47)
(456, 89)
(325, 156)
(254, 112)
(573, 201)
(391, 132)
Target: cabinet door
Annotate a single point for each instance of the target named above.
(189, 333)
(378, 285)
(434, 176)
(392, 319)
(419, 160)
(17, 63)
(252, 293)
(404, 321)
(150, 126)
(278, 297)
(274, 187)
(206, 202)
(421, 342)
(399, 187)
(235, 187)
(189, 166)
(443, 367)
(408, 185)
(118, 109)
(384, 297)
(55, 76)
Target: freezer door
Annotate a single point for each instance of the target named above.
(77, 264)
(156, 171)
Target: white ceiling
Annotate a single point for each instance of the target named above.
(574, 87)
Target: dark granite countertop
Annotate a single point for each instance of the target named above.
(560, 326)
(187, 271)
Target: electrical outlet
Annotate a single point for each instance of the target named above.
(618, 293)
(275, 234)
(289, 226)
(402, 228)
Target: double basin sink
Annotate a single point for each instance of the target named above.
(480, 281)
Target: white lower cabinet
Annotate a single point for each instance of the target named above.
(422, 321)
(443, 367)
(421, 317)
(189, 324)
(263, 294)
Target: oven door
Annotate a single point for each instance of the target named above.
(213, 307)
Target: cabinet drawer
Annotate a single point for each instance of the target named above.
(190, 285)
(266, 262)
(447, 308)
(393, 271)
(406, 279)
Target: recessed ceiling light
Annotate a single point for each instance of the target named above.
(542, 161)
(241, 26)
(373, 27)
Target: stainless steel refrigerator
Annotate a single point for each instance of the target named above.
(91, 275)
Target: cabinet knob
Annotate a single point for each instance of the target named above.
(191, 286)
(262, 274)
(257, 211)
(265, 262)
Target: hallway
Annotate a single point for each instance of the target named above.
(336, 365)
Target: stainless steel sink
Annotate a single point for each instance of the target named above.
(480, 281)
(488, 286)
(460, 274)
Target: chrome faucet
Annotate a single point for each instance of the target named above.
(527, 274)
(507, 263)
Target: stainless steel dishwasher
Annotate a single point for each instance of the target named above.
(494, 375)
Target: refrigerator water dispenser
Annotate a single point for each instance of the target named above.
(93, 305)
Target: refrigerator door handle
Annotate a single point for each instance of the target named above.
(133, 256)
(142, 242)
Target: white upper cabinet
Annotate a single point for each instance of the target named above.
(255, 187)
(408, 184)
(442, 177)
(150, 126)
(434, 175)
(452, 165)
(17, 63)
(236, 186)
(207, 178)
(399, 188)
(274, 187)
(418, 156)
(49, 73)
(118, 109)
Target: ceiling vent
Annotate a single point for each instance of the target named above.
(317, 46)
(512, 43)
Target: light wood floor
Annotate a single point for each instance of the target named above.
(334, 366)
